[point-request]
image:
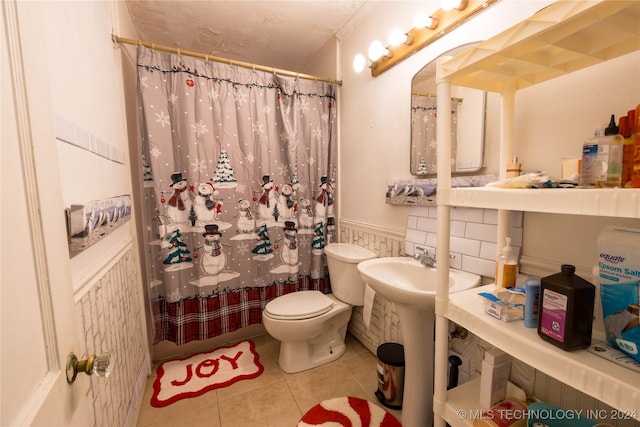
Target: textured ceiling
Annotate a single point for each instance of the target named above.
(281, 34)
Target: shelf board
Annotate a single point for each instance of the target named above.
(616, 202)
(606, 381)
(564, 37)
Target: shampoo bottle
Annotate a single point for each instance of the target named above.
(506, 267)
(566, 309)
(613, 166)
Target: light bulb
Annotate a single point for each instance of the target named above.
(376, 50)
(454, 4)
(422, 20)
(397, 37)
(359, 62)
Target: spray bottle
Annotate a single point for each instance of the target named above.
(506, 267)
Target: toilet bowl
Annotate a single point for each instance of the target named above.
(311, 326)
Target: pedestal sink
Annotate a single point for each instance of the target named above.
(411, 286)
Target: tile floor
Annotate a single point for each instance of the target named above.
(275, 398)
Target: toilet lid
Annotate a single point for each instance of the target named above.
(299, 305)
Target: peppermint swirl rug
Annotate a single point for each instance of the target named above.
(348, 412)
(199, 373)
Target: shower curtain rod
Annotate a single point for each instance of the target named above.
(118, 39)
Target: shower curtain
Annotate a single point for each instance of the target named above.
(239, 177)
(424, 111)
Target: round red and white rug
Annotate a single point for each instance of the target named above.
(348, 412)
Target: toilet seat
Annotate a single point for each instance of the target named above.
(299, 305)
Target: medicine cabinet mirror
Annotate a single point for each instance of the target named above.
(468, 107)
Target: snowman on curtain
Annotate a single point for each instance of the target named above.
(179, 203)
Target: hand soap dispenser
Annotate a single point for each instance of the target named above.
(506, 267)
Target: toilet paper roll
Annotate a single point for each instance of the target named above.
(369, 297)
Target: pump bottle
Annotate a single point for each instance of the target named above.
(506, 267)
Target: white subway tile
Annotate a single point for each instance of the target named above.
(479, 266)
(467, 214)
(412, 222)
(488, 251)
(428, 224)
(490, 216)
(465, 246)
(486, 232)
(456, 261)
(416, 236)
(457, 228)
(516, 218)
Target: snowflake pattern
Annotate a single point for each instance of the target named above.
(257, 128)
(155, 152)
(143, 82)
(241, 97)
(243, 249)
(317, 133)
(163, 119)
(213, 95)
(173, 98)
(200, 128)
(199, 166)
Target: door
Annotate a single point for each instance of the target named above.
(36, 300)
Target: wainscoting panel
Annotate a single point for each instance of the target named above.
(109, 317)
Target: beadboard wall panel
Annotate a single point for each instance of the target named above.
(109, 317)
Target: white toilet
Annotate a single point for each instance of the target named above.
(311, 326)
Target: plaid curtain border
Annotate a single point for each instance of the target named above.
(201, 318)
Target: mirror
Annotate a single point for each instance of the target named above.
(468, 116)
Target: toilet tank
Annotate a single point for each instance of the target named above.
(346, 283)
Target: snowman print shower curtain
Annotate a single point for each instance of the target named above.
(239, 190)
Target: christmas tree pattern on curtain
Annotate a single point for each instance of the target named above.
(250, 153)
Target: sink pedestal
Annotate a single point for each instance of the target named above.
(417, 334)
(411, 286)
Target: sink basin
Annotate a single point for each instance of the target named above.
(404, 280)
(411, 286)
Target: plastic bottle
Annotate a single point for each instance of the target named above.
(566, 309)
(531, 301)
(626, 132)
(506, 267)
(613, 170)
(493, 377)
(592, 153)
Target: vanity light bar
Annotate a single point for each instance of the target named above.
(447, 20)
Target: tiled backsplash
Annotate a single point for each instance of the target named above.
(473, 236)
(473, 242)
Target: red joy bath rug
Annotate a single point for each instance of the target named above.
(348, 411)
(199, 373)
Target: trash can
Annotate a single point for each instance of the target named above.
(390, 374)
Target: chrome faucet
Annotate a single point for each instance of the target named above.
(425, 258)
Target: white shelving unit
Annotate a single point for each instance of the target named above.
(565, 37)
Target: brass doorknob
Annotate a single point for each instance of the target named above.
(100, 365)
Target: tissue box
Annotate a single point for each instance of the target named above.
(504, 304)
